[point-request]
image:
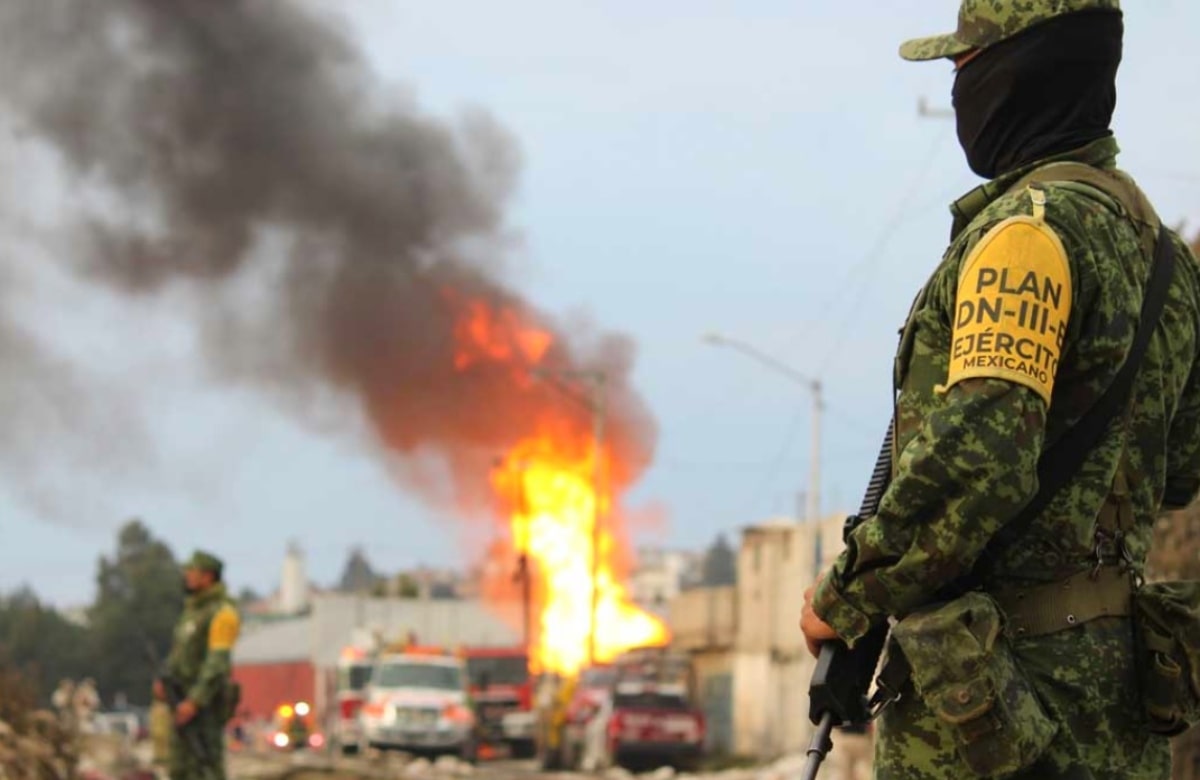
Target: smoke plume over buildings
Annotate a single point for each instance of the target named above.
(341, 249)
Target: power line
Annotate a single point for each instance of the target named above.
(875, 253)
(793, 429)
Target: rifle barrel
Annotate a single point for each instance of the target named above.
(819, 747)
(881, 475)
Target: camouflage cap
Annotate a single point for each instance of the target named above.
(204, 561)
(983, 23)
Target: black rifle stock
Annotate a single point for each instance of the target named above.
(837, 695)
(173, 694)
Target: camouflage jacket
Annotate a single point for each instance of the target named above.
(200, 657)
(967, 450)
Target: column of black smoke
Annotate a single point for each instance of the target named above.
(248, 144)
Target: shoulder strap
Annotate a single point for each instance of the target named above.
(1060, 462)
(1116, 185)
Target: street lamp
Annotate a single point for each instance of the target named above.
(595, 382)
(813, 499)
(926, 111)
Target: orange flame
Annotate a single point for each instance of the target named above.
(549, 480)
(553, 523)
(499, 337)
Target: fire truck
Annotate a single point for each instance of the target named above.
(353, 674)
(418, 701)
(502, 693)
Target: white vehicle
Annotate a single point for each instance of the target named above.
(354, 672)
(419, 703)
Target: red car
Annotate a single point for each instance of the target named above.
(638, 714)
(652, 726)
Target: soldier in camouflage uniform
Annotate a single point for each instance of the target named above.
(200, 664)
(1017, 333)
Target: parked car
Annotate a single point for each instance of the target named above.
(124, 723)
(651, 726)
(645, 717)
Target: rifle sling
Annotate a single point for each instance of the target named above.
(1060, 462)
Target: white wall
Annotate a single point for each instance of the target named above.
(776, 562)
(703, 618)
(435, 622)
(752, 730)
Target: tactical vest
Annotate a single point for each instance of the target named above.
(1105, 589)
(191, 633)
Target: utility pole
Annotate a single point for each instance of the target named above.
(812, 509)
(814, 457)
(924, 110)
(523, 574)
(599, 413)
(526, 597)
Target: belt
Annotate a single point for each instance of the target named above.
(1037, 610)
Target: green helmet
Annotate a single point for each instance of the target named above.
(983, 23)
(205, 561)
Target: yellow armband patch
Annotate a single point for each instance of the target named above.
(223, 631)
(1012, 306)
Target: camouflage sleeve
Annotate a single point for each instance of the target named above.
(1183, 449)
(970, 465)
(218, 660)
(970, 470)
(1183, 442)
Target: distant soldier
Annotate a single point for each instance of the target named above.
(63, 701)
(198, 673)
(84, 703)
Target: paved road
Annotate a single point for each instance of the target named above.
(301, 766)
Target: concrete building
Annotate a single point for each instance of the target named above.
(748, 647)
(661, 574)
(704, 622)
(776, 562)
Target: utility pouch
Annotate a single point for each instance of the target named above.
(1167, 623)
(161, 726)
(965, 671)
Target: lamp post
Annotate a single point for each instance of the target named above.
(594, 400)
(813, 499)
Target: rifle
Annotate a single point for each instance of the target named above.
(837, 694)
(174, 693)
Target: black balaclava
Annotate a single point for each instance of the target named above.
(1048, 90)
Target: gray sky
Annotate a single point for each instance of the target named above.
(757, 168)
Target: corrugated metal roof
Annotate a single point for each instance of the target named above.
(276, 641)
(320, 636)
(435, 622)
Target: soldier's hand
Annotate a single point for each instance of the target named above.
(158, 691)
(185, 712)
(816, 631)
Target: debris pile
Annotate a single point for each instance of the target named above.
(34, 744)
